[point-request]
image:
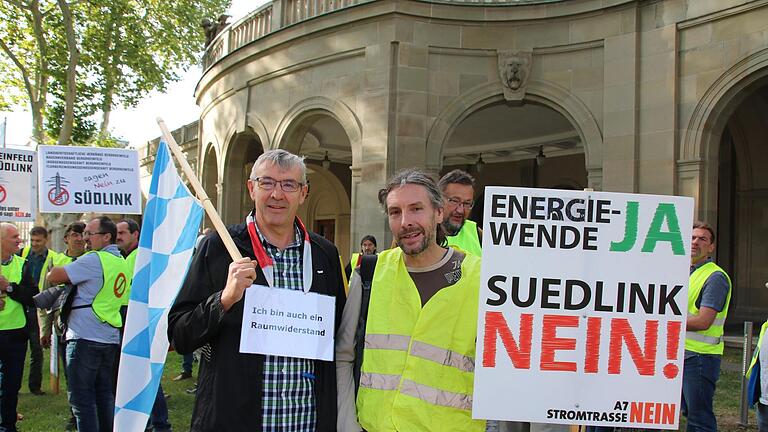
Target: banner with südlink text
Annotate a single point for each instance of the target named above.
(18, 185)
(89, 179)
(583, 301)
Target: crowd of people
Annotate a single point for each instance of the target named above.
(75, 299)
(398, 365)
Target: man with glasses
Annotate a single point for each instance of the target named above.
(73, 239)
(39, 258)
(92, 316)
(254, 392)
(458, 188)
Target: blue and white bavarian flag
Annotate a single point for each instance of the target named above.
(171, 220)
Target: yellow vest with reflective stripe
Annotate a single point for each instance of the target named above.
(50, 260)
(466, 239)
(12, 317)
(106, 304)
(757, 350)
(130, 260)
(418, 366)
(709, 341)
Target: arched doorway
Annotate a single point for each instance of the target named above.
(242, 151)
(319, 136)
(742, 202)
(529, 145)
(210, 177)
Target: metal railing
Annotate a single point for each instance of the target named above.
(279, 14)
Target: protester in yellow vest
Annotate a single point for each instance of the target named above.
(367, 247)
(458, 189)
(93, 337)
(128, 243)
(73, 239)
(417, 369)
(16, 291)
(709, 294)
(39, 259)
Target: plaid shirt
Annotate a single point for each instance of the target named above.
(288, 401)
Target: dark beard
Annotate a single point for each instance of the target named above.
(451, 229)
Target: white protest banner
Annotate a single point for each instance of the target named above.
(18, 185)
(287, 323)
(583, 301)
(89, 179)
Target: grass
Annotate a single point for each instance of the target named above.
(50, 412)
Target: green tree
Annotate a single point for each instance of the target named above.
(73, 61)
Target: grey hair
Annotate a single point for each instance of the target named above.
(456, 176)
(415, 177)
(4, 226)
(282, 159)
(419, 178)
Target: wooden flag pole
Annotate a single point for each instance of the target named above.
(210, 210)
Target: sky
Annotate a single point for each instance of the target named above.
(137, 125)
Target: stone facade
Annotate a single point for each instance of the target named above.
(619, 95)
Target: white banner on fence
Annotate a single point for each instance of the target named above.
(18, 185)
(583, 302)
(89, 179)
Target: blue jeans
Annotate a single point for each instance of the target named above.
(158, 418)
(762, 417)
(90, 376)
(186, 362)
(13, 350)
(700, 374)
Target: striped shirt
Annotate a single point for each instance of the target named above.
(288, 400)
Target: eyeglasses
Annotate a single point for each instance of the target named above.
(268, 184)
(88, 234)
(458, 203)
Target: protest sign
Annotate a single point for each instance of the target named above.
(289, 323)
(583, 301)
(18, 185)
(89, 179)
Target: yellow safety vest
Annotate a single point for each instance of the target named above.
(106, 304)
(418, 365)
(62, 259)
(466, 239)
(353, 260)
(12, 317)
(709, 341)
(130, 260)
(757, 350)
(49, 259)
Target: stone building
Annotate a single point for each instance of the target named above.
(649, 96)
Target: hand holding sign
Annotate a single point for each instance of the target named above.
(242, 273)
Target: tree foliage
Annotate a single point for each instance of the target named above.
(72, 62)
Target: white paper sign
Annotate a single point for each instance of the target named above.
(289, 323)
(583, 301)
(18, 185)
(89, 179)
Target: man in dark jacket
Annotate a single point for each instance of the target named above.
(254, 392)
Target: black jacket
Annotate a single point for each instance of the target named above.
(229, 388)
